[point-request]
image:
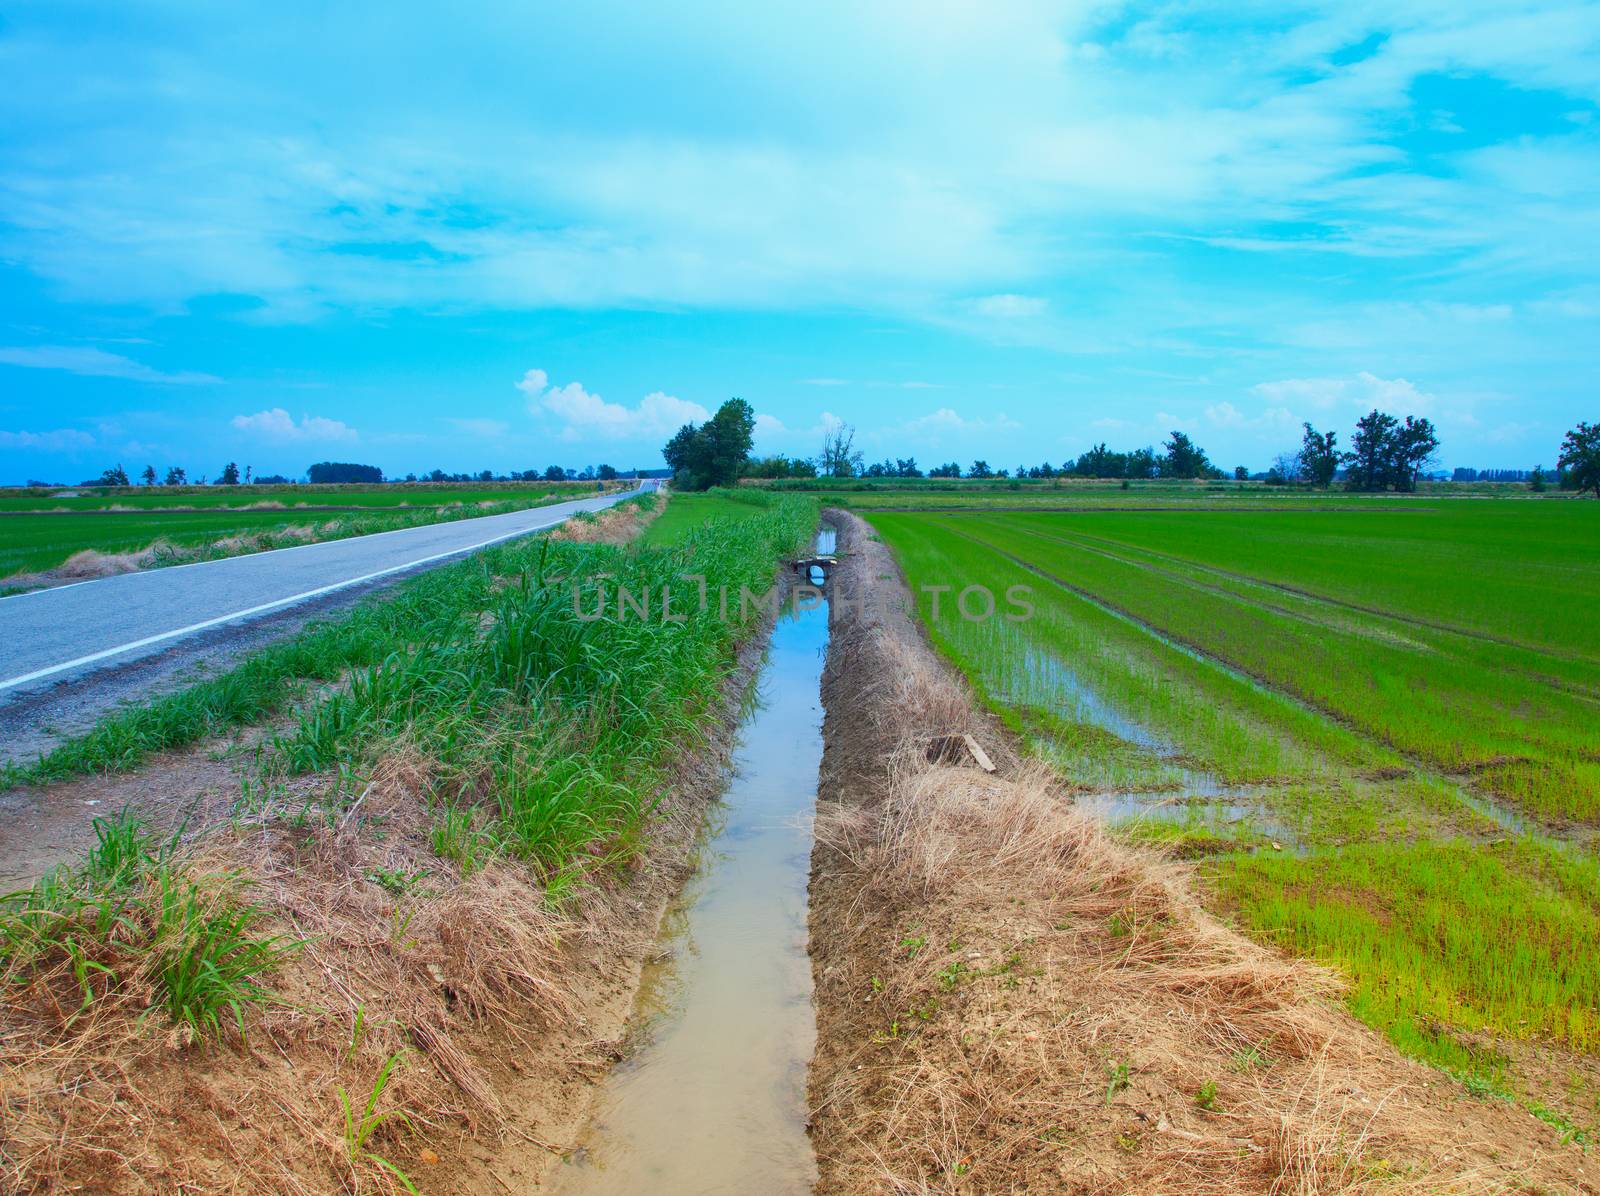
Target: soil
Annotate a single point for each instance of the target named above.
(1009, 1001)
(46, 825)
(503, 1014)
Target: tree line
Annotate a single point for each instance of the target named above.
(1386, 452)
(347, 473)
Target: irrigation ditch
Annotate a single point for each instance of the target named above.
(1001, 998)
(949, 979)
(711, 1097)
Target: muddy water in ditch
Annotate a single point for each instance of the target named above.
(713, 1099)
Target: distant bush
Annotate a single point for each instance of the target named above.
(340, 471)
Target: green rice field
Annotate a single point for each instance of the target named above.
(40, 529)
(1375, 725)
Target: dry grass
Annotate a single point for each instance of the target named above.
(90, 563)
(463, 981)
(1009, 1000)
(300, 533)
(619, 524)
(264, 1114)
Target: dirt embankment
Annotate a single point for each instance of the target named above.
(500, 1014)
(1008, 1000)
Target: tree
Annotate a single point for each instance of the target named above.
(1286, 468)
(1100, 462)
(1241, 473)
(230, 475)
(115, 476)
(1184, 459)
(980, 469)
(715, 452)
(1319, 457)
(906, 467)
(554, 473)
(1536, 480)
(606, 473)
(1387, 452)
(1369, 451)
(176, 477)
(948, 470)
(680, 452)
(1580, 458)
(1142, 463)
(343, 471)
(839, 458)
(148, 477)
(1410, 452)
(730, 433)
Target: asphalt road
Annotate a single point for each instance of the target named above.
(71, 633)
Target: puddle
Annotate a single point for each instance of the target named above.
(1040, 678)
(1034, 676)
(713, 1101)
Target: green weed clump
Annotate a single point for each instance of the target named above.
(133, 924)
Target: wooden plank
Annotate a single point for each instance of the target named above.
(978, 754)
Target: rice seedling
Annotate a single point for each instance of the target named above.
(1389, 694)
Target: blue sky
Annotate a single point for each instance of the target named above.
(521, 234)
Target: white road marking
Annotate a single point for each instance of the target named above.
(265, 606)
(394, 531)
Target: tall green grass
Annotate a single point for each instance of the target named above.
(548, 705)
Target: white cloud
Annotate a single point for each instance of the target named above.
(60, 440)
(1011, 307)
(946, 423)
(974, 149)
(1511, 433)
(1226, 415)
(586, 416)
(1398, 396)
(823, 382)
(770, 427)
(96, 363)
(277, 424)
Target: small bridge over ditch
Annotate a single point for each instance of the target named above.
(823, 563)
